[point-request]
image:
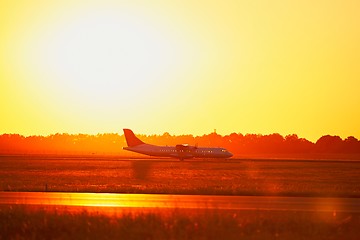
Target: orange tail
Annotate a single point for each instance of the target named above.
(131, 139)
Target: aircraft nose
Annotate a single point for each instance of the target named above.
(230, 154)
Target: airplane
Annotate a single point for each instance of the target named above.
(180, 151)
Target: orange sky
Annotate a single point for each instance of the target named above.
(184, 67)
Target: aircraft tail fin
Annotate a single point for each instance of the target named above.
(131, 139)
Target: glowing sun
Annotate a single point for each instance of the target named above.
(99, 57)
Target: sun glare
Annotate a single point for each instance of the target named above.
(288, 67)
(96, 58)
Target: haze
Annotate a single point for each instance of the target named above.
(180, 67)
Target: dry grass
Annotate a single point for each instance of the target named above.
(18, 222)
(230, 177)
(225, 177)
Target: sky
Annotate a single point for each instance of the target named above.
(183, 67)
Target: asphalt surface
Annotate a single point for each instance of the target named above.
(116, 202)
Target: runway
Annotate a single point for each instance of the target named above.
(118, 202)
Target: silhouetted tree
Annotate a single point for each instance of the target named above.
(329, 144)
(351, 145)
(294, 144)
(112, 143)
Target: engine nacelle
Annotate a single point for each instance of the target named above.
(185, 147)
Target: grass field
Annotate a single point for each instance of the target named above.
(225, 177)
(19, 222)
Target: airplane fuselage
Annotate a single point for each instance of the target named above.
(180, 152)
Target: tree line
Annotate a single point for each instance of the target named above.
(237, 143)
